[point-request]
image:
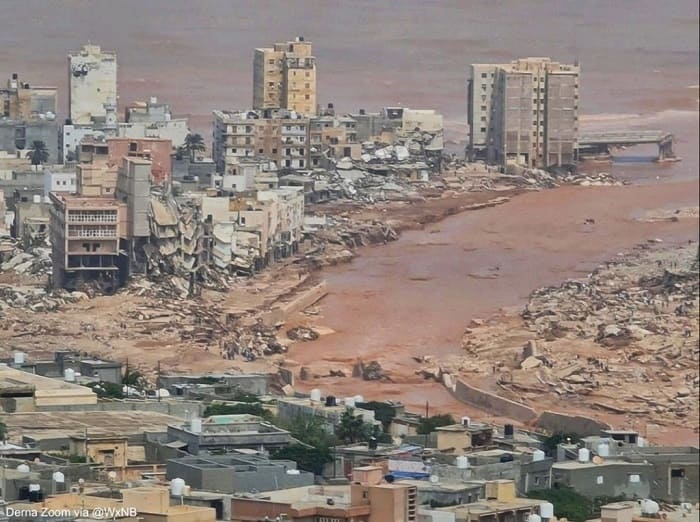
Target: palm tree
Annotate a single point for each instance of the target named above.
(193, 143)
(39, 154)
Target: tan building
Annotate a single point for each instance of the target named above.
(92, 78)
(284, 77)
(21, 391)
(85, 234)
(460, 438)
(24, 102)
(153, 505)
(525, 112)
(353, 503)
(106, 450)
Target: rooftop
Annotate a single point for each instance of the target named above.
(483, 507)
(74, 200)
(63, 424)
(574, 464)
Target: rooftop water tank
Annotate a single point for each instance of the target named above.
(546, 510)
(19, 357)
(69, 375)
(603, 449)
(177, 487)
(537, 456)
(34, 487)
(350, 402)
(649, 507)
(196, 425)
(316, 395)
(584, 455)
(23, 468)
(58, 477)
(36, 198)
(462, 462)
(293, 472)
(359, 398)
(534, 518)
(466, 421)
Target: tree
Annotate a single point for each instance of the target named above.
(193, 143)
(351, 428)
(572, 505)
(551, 442)
(106, 390)
(307, 459)
(39, 154)
(428, 424)
(3, 431)
(256, 409)
(383, 411)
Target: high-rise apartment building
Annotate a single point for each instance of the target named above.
(284, 77)
(524, 112)
(92, 78)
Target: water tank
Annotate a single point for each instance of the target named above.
(603, 449)
(466, 421)
(162, 392)
(19, 356)
(462, 462)
(508, 431)
(349, 402)
(153, 100)
(177, 487)
(359, 398)
(69, 375)
(537, 456)
(36, 198)
(372, 443)
(293, 472)
(196, 425)
(330, 401)
(546, 510)
(534, 518)
(316, 395)
(23, 468)
(649, 507)
(584, 455)
(58, 477)
(34, 487)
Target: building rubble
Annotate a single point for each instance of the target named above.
(634, 318)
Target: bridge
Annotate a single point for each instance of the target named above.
(600, 143)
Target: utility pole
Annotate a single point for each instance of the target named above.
(427, 406)
(158, 382)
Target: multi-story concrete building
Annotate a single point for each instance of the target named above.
(18, 136)
(279, 135)
(22, 101)
(153, 119)
(284, 77)
(92, 78)
(525, 112)
(85, 234)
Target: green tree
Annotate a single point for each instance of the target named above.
(193, 143)
(572, 505)
(307, 459)
(428, 424)
(107, 390)
(351, 428)
(39, 154)
(3, 431)
(383, 412)
(239, 409)
(551, 442)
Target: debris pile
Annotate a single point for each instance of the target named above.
(36, 260)
(622, 341)
(36, 299)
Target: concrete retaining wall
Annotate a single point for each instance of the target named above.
(283, 311)
(555, 422)
(493, 403)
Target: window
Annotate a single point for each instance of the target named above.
(242, 220)
(271, 62)
(233, 151)
(307, 74)
(483, 129)
(274, 151)
(287, 163)
(483, 75)
(678, 473)
(301, 151)
(260, 151)
(599, 479)
(634, 478)
(483, 107)
(301, 164)
(307, 97)
(307, 85)
(270, 84)
(288, 152)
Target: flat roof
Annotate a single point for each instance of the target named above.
(583, 465)
(11, 377)
(75, 200)
(63, 424)
(492, 506)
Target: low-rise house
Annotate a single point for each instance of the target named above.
(459, 438)
(238, 473)
(222, 433)
(613, 478)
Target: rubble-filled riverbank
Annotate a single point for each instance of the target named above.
(619, 344)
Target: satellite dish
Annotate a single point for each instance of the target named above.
(434, 479)
(597, 460)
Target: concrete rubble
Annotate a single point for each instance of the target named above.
(622, 341)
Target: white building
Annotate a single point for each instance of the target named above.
(153, 119)
(60, 182)
(93, 83)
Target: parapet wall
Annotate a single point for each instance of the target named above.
(555, 422)
(493, 403)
